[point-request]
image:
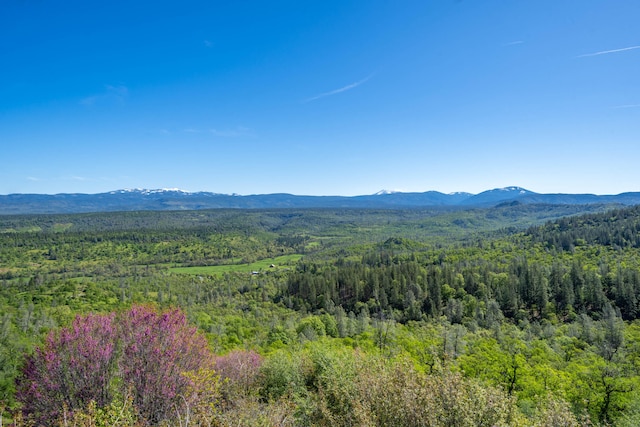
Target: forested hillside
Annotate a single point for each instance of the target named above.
(515, 315)
(618, 228)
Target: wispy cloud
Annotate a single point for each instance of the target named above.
(239, 131)
(340, 90)
(111, 94)
(232, 133)
(120, 90)
(208, 44)
(33, 179)
(606, 52)
(513, 43)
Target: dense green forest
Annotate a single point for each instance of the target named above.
(513, 315)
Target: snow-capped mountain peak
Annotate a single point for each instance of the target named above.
(383, 192)
(146, 192)
(513, 188)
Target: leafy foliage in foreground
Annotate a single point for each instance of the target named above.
(326, 385)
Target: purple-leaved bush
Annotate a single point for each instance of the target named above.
(140, 351)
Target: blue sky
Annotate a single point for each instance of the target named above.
(320, 97)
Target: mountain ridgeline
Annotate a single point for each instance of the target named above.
(173, 199)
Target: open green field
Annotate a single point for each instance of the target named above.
(219, 270)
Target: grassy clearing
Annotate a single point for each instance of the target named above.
(25, 229)
(59, 227)
(218, 270)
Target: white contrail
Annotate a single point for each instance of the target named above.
(604, 52)
(627, 106)
(336, 91)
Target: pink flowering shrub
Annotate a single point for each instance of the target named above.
(158, 348)
(240, 369)
(75, 365)
(139, 352)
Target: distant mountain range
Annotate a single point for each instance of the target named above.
(175, 199)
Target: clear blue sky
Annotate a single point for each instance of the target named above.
(320, 97)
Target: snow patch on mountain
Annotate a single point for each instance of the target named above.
(516, 189)
(146, 192)
(384, 192)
